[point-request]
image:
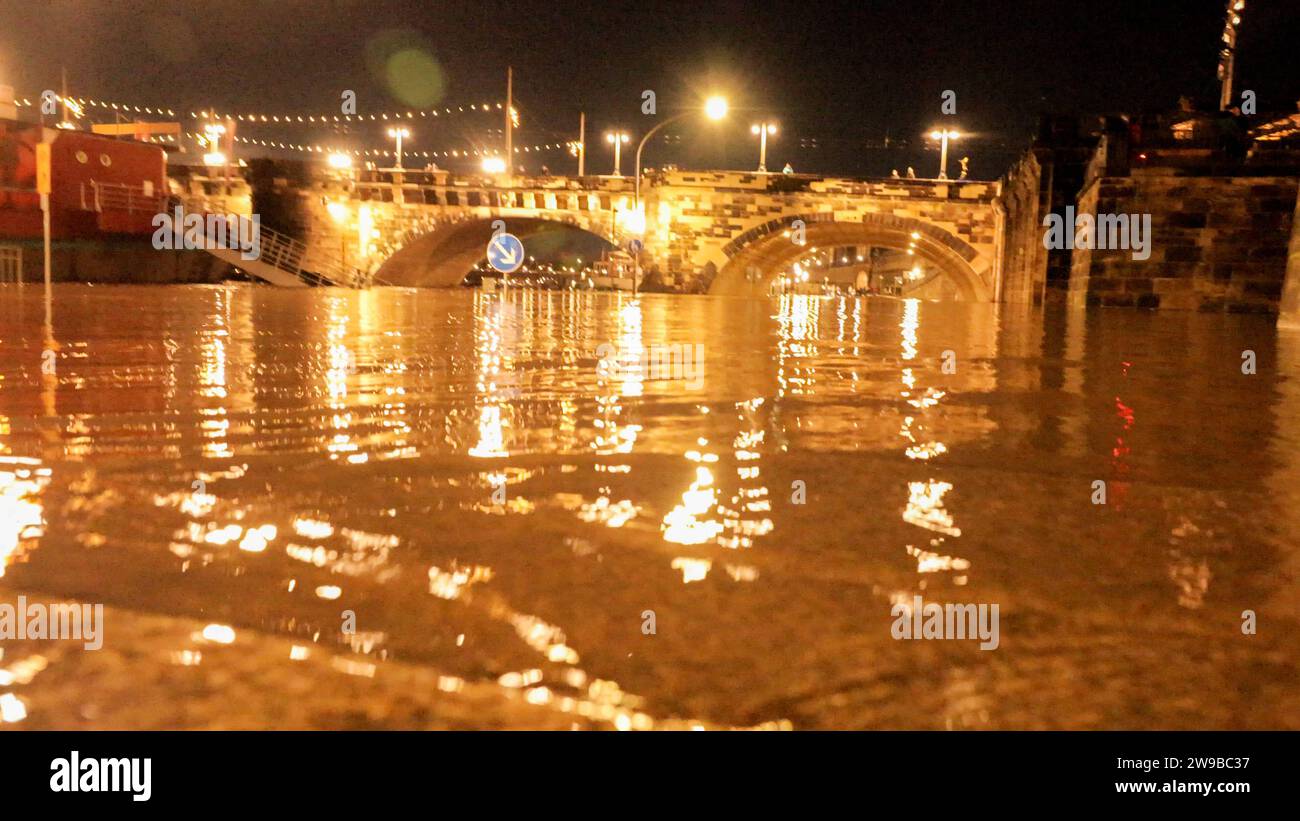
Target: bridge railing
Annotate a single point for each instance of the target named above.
(281, 251)
(291, 255)
(108, 196)
(11, 265)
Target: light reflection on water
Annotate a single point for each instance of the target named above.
(457, 472)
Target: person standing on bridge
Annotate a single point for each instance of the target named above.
(789, 169)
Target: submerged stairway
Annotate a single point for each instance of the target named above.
(286, 262)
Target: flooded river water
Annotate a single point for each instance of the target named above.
(395, 508)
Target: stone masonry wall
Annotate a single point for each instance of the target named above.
(1022, 254)
(691, 217)
(1290, 311)
(1218, 243)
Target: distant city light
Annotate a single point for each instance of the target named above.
(494, 165)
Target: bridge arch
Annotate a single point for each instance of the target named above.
(437, 252)
(769, 248)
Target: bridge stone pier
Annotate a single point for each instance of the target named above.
(725, 233)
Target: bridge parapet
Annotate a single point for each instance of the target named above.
(777, 184)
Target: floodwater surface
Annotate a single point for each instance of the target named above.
(430, 509)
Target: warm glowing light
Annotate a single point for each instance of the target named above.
(693, 570)
(494, 165)
(399, 132)
(214, 158)
(942, 134)
(340, 161)
(715, 108)
(759, 128)
(632, 220)
(337, 211)
(620, 136)
(12, 710)
(219, 633)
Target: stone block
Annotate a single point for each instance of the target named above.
(1184, 254)
(1186, 220)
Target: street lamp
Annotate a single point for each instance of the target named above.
(944, 135)
(494, 165)
(214, 156)
(762, 130)
(618, 138)
(715, 108)
(340, 161)
(1228, 55)
(399, 134)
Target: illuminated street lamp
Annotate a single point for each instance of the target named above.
(213, 133)
(762, 130)
(715, 108)
(618, 138)
(494, 165)
(944, 135)
(400, 133)
(1228, 55)
(340, 161)
(215, 156)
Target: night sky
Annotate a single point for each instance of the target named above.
(840, 78)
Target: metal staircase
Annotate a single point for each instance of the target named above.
(286, 262)
(283, 260)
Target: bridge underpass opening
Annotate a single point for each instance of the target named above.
(454, 253)
(868, 269)
(908, 258)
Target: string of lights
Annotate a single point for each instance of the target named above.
(306, 119)
(80, 104)
(449, 154)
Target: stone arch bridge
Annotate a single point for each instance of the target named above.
(722, 232)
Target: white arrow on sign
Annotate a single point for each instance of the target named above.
(507, 255)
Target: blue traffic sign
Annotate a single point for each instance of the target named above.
(505, 253)
(635, 246)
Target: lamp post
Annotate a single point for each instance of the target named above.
(618, 138)
(216, 155)
(1228, 55)
(762, 130)
(944, 135)
(399, 134)
(715, 108)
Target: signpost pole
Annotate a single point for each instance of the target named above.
(43, 186)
